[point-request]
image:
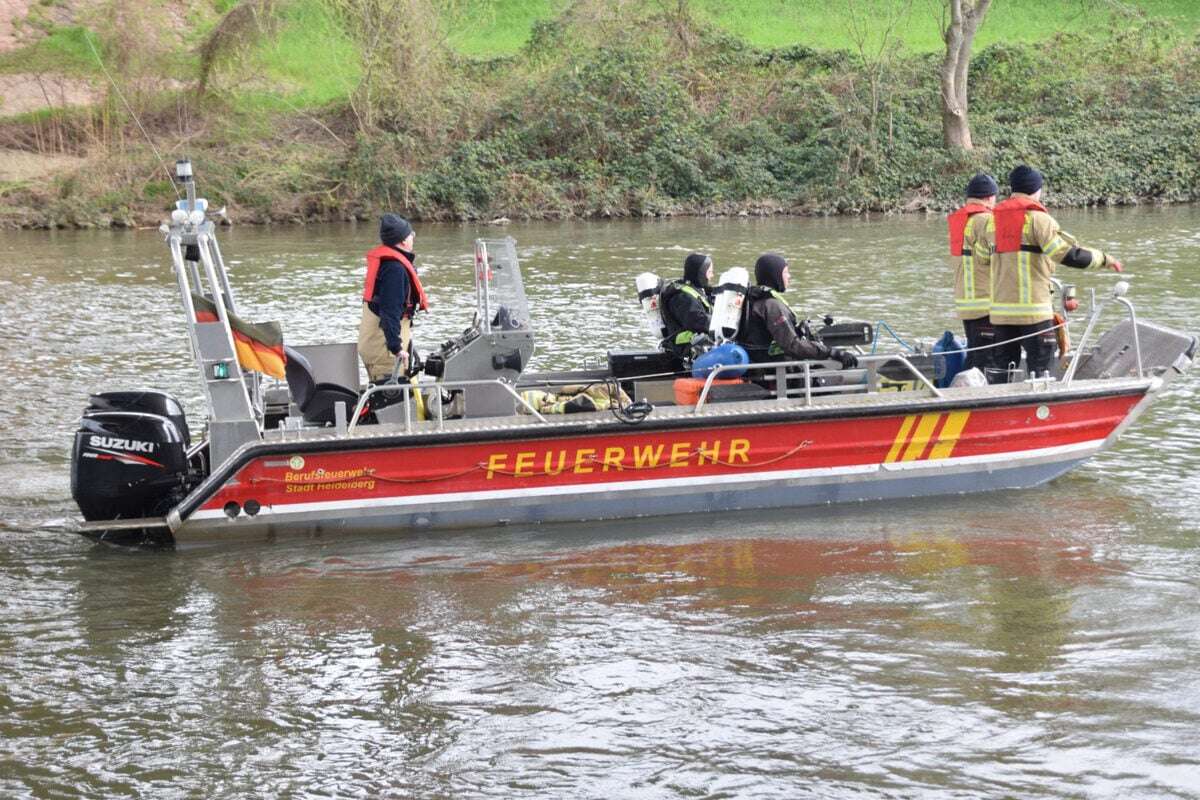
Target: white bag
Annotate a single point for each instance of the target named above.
(969, 377)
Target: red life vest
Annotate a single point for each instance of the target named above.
(958, 225)
(379, 254)
(1010, 221)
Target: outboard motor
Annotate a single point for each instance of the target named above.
(649, 289)
(728, 303)
(130, 456)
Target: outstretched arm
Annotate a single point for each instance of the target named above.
(1063, 248)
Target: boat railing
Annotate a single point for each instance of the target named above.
(783, 371)
(408, 388)
(780, 368)
(1120, 289)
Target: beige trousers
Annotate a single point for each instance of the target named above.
(372, 345)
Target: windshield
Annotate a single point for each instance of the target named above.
(499, 291)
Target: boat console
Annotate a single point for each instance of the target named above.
(499, 343)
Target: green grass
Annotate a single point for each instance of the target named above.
(486, 28)
(62, 51)
(308, 63)
(499, 27)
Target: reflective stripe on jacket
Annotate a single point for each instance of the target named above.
(973, 267)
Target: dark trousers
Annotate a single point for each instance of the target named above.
(1039, 350)
(980, 333)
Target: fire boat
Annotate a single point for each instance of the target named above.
(312, 452)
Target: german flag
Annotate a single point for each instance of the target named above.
(259, 344)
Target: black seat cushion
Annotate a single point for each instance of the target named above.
(315, 400)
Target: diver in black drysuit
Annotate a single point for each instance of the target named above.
(687, 305)
(770, 331)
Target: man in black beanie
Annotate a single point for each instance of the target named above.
(391, 296)
(1027, 244)
(972, 257)
(771, 331)
(687, 304)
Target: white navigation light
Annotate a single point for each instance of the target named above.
(183, 169)
(1121, 289)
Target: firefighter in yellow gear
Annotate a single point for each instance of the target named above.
(971, 255)
(1027, 244)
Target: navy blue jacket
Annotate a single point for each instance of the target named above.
(392, 302)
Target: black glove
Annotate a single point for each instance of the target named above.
(845, 357)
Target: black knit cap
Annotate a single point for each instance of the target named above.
(768, 271)
(1025, 179)
(982, 185)
(695, 269)
(393, 229)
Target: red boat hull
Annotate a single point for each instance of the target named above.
(530, 475)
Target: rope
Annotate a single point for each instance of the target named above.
(592, 460)
(370, 474)
(1062, 324)
(881, 324)
(674, 462)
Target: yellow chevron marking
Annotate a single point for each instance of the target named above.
(921, 437)
(948, 437)
(901, 438)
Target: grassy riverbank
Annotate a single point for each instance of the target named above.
(524, 109)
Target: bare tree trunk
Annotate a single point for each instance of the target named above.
(959, 35)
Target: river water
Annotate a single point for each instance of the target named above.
(1035, 644)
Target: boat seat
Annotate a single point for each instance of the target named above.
(315, 400)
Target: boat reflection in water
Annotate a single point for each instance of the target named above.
(807, 577)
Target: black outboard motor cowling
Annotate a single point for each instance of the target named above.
(147, 401)
(128, 465)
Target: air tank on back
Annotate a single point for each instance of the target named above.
(728, 302)
(649, 289)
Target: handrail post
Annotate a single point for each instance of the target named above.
(408, 404)
(712, 374)
(1097, 308)
(1137, 343)
(929, 384)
